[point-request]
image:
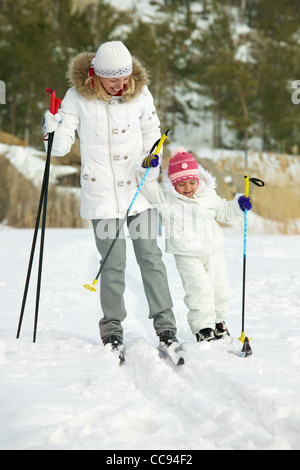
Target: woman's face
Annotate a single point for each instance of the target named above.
(112, 86)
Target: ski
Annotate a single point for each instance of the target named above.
(173, 352)
(121, 357)
(231, 346)
(119, 351)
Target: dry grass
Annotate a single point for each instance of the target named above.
(278, 201)
(19, 200)
(6, 138)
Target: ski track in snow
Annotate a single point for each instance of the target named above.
(67, 391)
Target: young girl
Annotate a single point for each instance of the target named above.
(190, 209)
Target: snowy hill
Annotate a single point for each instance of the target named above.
(31, 163)
(67, 391)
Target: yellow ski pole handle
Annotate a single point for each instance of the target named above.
(246, 177)
(161, 141)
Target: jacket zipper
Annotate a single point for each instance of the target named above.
(109, 152)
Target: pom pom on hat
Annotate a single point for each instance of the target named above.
(182, 166)
(178, 150)
(113, 60)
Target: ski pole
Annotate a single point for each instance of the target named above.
(155, 149)
(245, 339)
(54, 106)
(246, 192)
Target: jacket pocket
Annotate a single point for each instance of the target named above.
(86, 177)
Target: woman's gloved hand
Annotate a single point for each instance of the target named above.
(51, 122)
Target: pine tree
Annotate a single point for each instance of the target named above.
(162, 48)
(276, 52)
(213, 65)
(38, 38)
(25, 54)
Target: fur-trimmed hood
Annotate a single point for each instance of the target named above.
(207, 183)
(78, 73)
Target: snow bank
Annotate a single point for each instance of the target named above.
(31, 163)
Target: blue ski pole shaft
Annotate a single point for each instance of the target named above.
(121, 226)
(137, 191)
(244, 271)
(242, 337)
(156, 148)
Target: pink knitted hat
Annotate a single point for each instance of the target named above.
(182, 166)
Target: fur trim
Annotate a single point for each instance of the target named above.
(208, 179)
(208, 183)
(78, 73)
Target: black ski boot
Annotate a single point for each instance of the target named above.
(168, 344)
(116, 346)
(114, 340)
(221, 330)
(206, 334)
(168, 337)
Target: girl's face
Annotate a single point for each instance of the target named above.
(187, 187)
(112, 86)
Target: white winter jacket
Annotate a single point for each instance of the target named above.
(113, 136)
(191, 226)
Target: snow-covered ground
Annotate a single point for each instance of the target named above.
(67, 391)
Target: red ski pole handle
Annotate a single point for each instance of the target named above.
(52, 99)
(54, 102)
(57, 105)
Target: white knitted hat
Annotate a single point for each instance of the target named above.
(113, 60)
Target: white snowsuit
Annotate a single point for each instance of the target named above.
(195, 239)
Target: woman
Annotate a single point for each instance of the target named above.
(112, 110)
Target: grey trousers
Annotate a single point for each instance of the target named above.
(143, 232)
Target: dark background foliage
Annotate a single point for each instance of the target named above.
(187, 46)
